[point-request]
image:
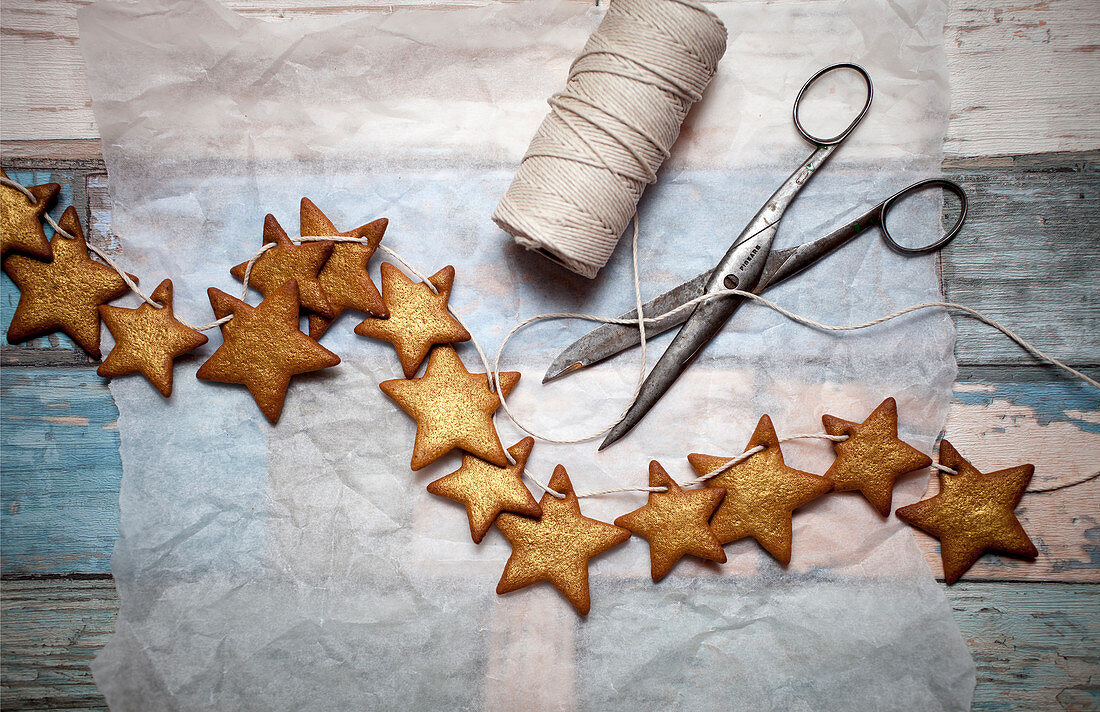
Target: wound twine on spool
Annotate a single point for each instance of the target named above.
(610, 129)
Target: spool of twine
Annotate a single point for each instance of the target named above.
(610, 129)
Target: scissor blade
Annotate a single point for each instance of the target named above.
(607, 340)
(705, 322)
(742, 265)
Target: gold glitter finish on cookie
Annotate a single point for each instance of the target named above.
(148, 340)
(344, 278)
(973, 513)
(761, 494)
(488, 490)
(557, 546)
(418, 318)
(287, 261)
(21, 219)
(872, 457)
(262, 347)
(453, 408)
(676, 522)
(65, 294)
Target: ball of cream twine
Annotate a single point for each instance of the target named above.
(610, 129)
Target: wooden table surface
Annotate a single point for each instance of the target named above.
(1024, 140)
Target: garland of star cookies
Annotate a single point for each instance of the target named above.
(752, 495)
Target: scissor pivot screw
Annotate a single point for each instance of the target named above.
(730, 281)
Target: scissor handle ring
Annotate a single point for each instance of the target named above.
(893, 200)
(855, 122)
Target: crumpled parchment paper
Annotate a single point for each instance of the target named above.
(303, 566)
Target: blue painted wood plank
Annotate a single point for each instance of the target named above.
(53, 349)
(1071, 401)
(1027, 256)
(60, 472)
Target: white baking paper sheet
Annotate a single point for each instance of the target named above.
(303, 566)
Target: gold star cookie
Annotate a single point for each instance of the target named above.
(344, 278)
(65, 294)
(761, 494)
(557, 546)
(148, 340)
(288, 261)
(488, 490)
(21, 219)
(262, 347)
(418, 319)
(973, 513)
(675, 522)
(453, 408)
(872, 457)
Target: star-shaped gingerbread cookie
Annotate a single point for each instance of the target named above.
(557, 546)
(676, 522)
(872, 457)
(344, 278)
(488, 490)
(65, 294)
(262, 347)
(418, 318)
(148, 340)
(21, 219)
(452, 407)
(761, 494)
(973, 513)
(288, 261)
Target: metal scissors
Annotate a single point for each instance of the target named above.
(749, 265)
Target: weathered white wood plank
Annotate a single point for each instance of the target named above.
(52, 630)
(1036, 646)
(45, 90)
(1025, 78)
(1006, 417)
